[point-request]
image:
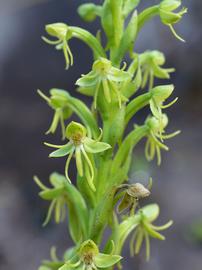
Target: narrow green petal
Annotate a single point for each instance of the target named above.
(51, 194)
(152, 232)
(163, 227)
(50, 210)
(39, 183)
(105, 260)
(63, 151)
(147, 244)
(67, 165)
(139, 240)
(92, 146)
(90, 180)
(106, 90)
(79, 163)
(54, 123)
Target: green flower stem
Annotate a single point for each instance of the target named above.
(85, 115)
(81, 210)
(89, 39)
(136, 104)
(146, 15)
(102, 215)
(129, 142)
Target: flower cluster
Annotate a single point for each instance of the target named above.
(102, 196)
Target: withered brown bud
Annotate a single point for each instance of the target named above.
(138, 191)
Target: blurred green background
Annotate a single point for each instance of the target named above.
(26, 63)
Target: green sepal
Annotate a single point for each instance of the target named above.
(63, 151)
(106, 260)
(92, 146)
(51, 194)
(151, 212)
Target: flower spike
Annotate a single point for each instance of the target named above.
(82, 146)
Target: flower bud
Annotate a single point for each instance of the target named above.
(138, 191)
(88, 12)
(162, 92)
(57, 30)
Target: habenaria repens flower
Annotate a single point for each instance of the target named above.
(131, 195)
(106, 77)
(88, 257)
(151, 63)
(155, 137)
(82, 146)
(58, 101)
(63, 34)
(159, 95)
(168, 16)
(146, 230)
(56, 194)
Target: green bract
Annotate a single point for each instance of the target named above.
(82, 146)
(106, 77)
(102, 195)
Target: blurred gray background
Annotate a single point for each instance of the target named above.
(26, 63)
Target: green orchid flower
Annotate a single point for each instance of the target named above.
(155, 137)
(63, 34)
(169, 17)
(146, 230)
(89, 258)
(82, 146)
(104, 76)
(159, 95)
(130, 196)
(57, 195)
(58, 101)
(151, 62)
